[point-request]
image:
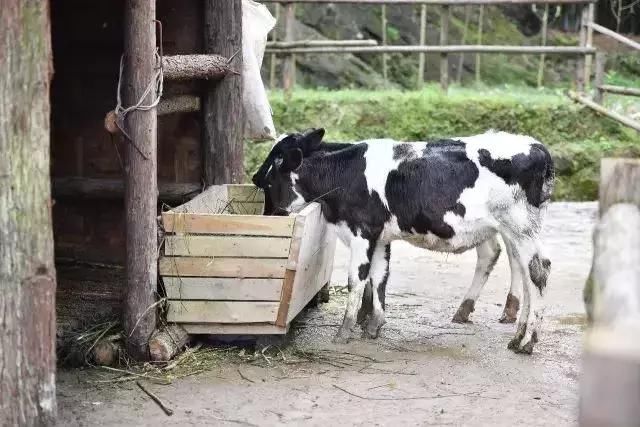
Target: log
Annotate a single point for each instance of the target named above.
(289, 64)
(222, 110)
(165, 343)
(598, 93)
(106, 353)
(113, 189)
(610, 384)
(141, 186)
(469, 48)
(607, 32)
(445, 17)
(620, 90)
(190, 67)
(171, 105)
(600, 109)
(27, 271)
(321, 43)
(423, 40)
(435, 2)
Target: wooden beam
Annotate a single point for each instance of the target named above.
(445, 17)
(610, 383)
(600, 109)
(141, 186)
(433, 2)
(620, 90)
(383, 31)
(545, 21)
(601, 60)
(321, 43)
(113, 189)
(423, 40)
(588, 59)
(222, 110)
(582, 42)
(510, 50)
(190, 67)
(27, 271)
(289, 64)
(622, 39)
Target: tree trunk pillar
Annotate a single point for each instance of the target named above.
(141, 184)
(27, 271)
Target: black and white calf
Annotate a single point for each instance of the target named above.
(448, 195)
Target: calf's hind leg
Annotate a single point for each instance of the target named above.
(379, 274)
(512, 305)
(488, 254)
(366, 309)
(535, 270)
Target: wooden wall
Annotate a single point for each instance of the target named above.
(87, 44)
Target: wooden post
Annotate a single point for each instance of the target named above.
(610, 383)
(27, 272)
(465, 29)
(141, 185)
(222, 111)
(289, 66)
(423, 39)
(590, 16)
(545, 20)
(480, 22)
(580, 62)
(385, 57)
(274, 58)
(444, 57)
(598, 93)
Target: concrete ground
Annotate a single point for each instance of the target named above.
(423, 370)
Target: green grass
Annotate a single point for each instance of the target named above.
(577, 137)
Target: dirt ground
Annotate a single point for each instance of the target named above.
(423, 370)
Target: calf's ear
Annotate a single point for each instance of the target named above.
(292, 160)
(312, 140)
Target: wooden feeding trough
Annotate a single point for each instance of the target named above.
(227, 269)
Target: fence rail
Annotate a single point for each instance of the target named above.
(290, 48)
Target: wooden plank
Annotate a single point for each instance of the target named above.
(298, 233)
(227, 246)
(221, 311)
(252, 225)
(219, 288)
(445, 15)
(600, 109)
(285, 298)
(310, 43)
(622, 39)
(469, 48)
(314, 262)
(222, 267)
(234, 329)
(435, 2)
(620, 90)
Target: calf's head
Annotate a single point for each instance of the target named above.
(277, 175)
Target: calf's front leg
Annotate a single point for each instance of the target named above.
(359, 268)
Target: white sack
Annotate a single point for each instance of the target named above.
(257, 21)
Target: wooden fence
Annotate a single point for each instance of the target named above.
(584, 50)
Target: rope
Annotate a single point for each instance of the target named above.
(121, 112)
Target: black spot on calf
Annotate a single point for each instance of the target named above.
(363, 271)
(539, 271)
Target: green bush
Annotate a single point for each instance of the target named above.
(577, 137)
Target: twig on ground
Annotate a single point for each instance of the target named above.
(437, 396)
(182, 357)
(156, 399)
(134, 374)
(245, 378)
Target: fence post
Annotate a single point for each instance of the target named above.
(580, 62)
(423, 39)
(598, 93)
(384, 43)
(272, 64)
(590, 15)
(610, 383)
(545, 19)
(444, 57)
(289, 66)
(467, 17)
(480, 22)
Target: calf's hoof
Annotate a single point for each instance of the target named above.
(372, 329)
(462, 315)
(342, 337)
(510, 312)
(521, 345)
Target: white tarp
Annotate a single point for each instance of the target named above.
(257, 21)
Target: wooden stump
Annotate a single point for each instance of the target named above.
(610, 384)
(165, 343)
